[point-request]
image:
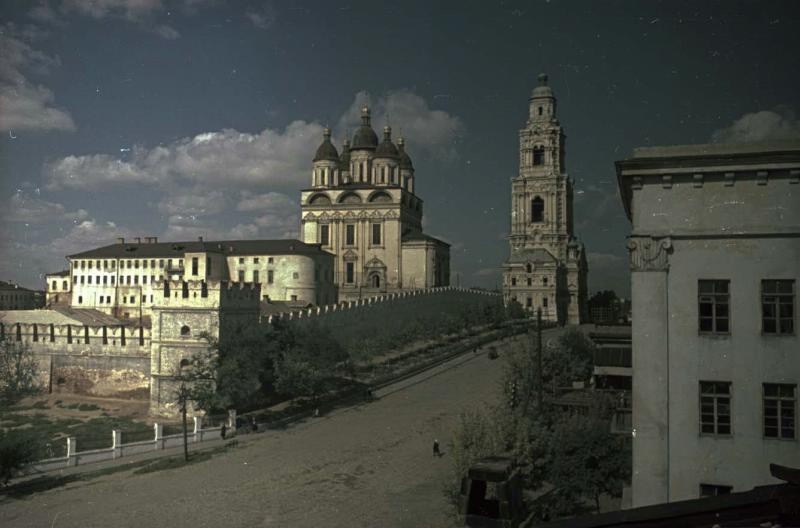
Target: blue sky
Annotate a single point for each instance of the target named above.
(185, 118)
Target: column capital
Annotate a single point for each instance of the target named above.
(648, 253)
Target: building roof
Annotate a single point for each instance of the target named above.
(326, 150)
(405, 160)
(387, 149)
(416, 236)
(8, 286)
(178, 249)
(365, 137)
(543, 90)
(62, 273)
(60, 316)
(712, 158)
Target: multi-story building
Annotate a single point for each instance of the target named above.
(715, 259)
(122, 279)
(58, 289)
(362, 207)
(15, 297)
(547, 266)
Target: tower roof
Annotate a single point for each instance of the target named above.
(543, 90)
(326, 150)
(365, 138)
(405, 160)
(387, 149)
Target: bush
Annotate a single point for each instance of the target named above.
(17, 449)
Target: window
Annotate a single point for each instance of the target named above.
(133, 299)
(74, 279)
(530, 281)
(537, 210)
(712, 490)
(324, 234)
(528, 268)
(294, 297)
(295, 275)
(144, 279)
(544, 302)
(540, 109)
(101, 299)
(160, 263)
(270, 276)
(255, 275)
(715, 407)
(544, 281)
(376, 234)
(195, 264)
(64, 285)
(255, 260)
(108, 299)
(513, 281)
(80, 299)
(350, 234)
(529, 302)
(105, 279)
(270, 260)
(55, 285)
(350, 272)
(112, 279)
(241, 275)
(538, 155)
(713, 302)
(779, 406)
(144, 264)
(136, 264)
(90, 264)
(185, 332)
(777, 306)
(83, 264)
(241, 260)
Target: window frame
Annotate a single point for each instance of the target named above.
(779, 407)
(715, 396)
(350, 229)
(714, 299)
(779, 304)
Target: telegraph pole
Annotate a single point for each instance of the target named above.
(539, 348)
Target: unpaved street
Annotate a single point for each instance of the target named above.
(369, 465)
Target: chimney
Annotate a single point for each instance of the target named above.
(138, 240)
(120, 240)
(199, 239)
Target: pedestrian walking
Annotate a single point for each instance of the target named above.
(316, 412)
(436, 451)
(223, 431)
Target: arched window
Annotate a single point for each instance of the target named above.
(528, 268)
(538, 155)
(185, 331)
(537, 210)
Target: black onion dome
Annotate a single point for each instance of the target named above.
(326, 151)
(405, 160)
(386, 149)
(365, 137)
(344, 159)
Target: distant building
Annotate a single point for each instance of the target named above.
(58, 287)
(362, 206)
(715, 259)
(122, 279)
(547, 265)
(15, 297)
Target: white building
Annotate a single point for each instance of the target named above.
(547, 266)
(362, 207)
(715, 259)
(122, 279)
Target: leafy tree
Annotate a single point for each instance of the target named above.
(18, 372)
(310, 363)
(514, 310)
(570, 360)
(17, 449)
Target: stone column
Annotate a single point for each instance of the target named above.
(72, 451)
(649, 261)
(232, 419)
(116, 442)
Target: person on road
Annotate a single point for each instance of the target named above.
(436, 451)
(254, 425)
(223, 431)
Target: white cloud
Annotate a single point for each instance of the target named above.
(202, 203)
(777, 124)
(130, 9)
(267, 201)
(262, 18)
(167, 32)
(432, 131)
(270, 157)
(23, 105)
(22, 208)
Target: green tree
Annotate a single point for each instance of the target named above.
(18, 372)
(310, 363)
(514, 310)
(17, 449)
(570, 360)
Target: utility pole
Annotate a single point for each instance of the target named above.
(539, 347)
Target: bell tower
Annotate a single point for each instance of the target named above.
(547, 267)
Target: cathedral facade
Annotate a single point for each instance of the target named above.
(547, 265)
(363, 208)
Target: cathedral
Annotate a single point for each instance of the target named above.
(362, 207)
(547, 265)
